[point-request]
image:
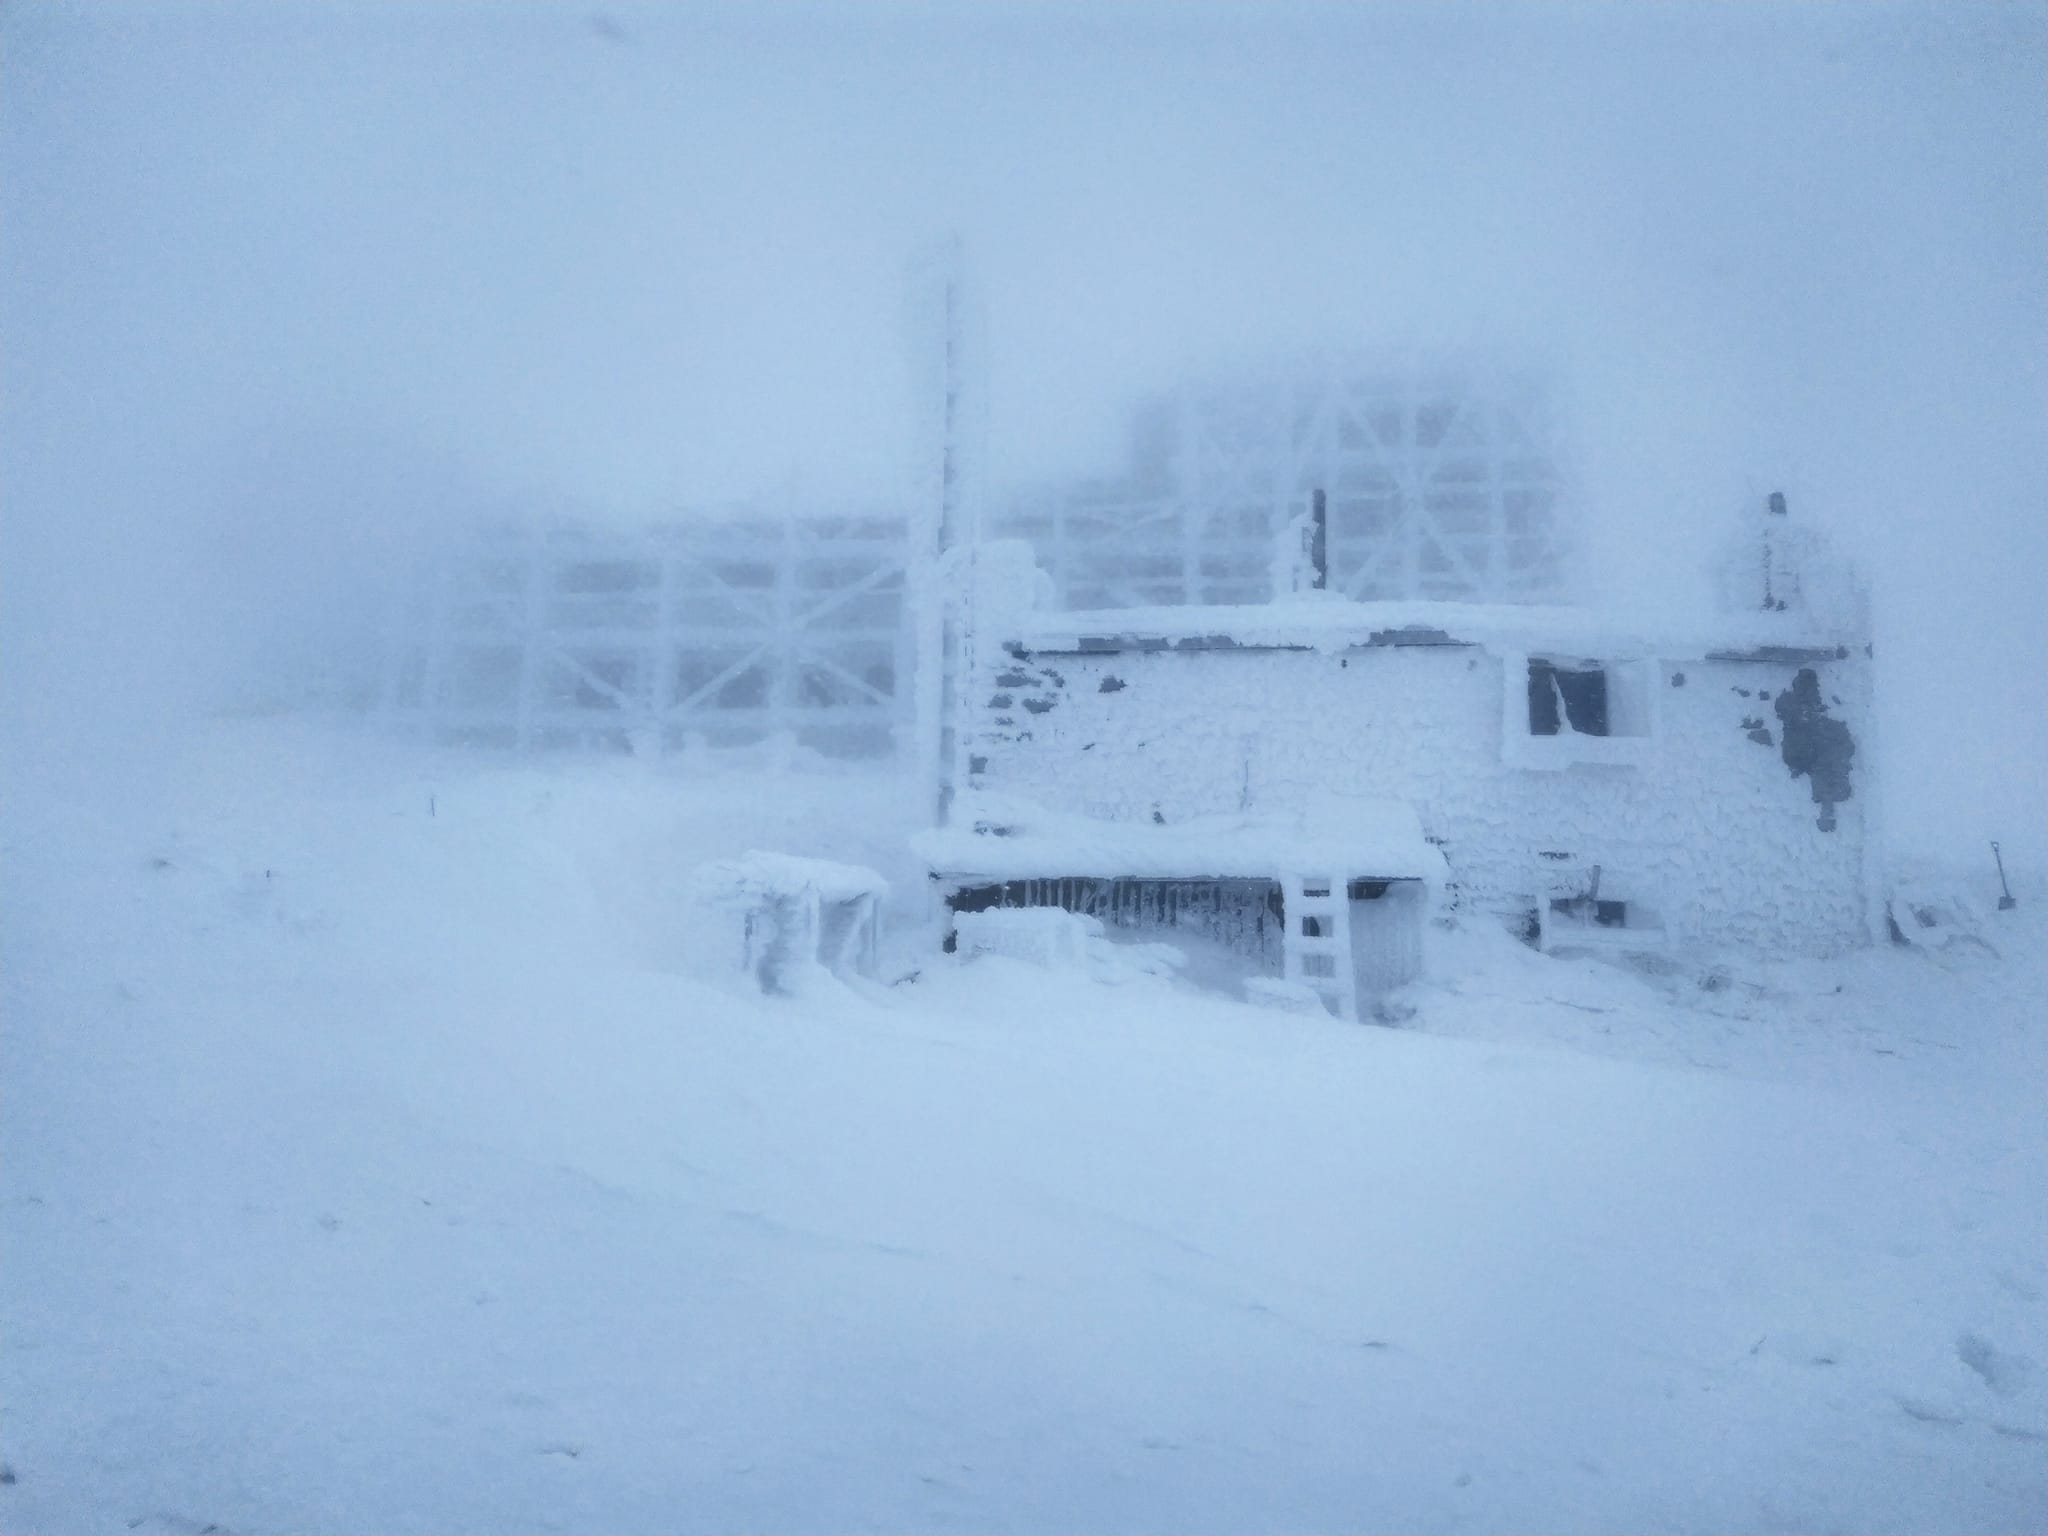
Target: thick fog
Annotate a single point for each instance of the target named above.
(289, 294)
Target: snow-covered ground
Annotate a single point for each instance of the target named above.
(368, 1163)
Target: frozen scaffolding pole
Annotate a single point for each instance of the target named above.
(946, 346)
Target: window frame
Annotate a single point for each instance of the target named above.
(1629, 694)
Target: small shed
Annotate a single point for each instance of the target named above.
(1335, 899)
(773, 916)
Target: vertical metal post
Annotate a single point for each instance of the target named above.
(661, 648)
(784, 667)
(1408, 482)
(1187, 476)
(1062, 557)
(947, 505)
(535, 589)
(1489, 404)
(1319, 541)
(1189, 520)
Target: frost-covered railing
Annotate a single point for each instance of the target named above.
(1108, 550)
(1243, 916)
(731, 629)
(1441, 482)
(721, 631)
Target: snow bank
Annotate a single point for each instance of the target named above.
(366, 1164)
(1043, 936)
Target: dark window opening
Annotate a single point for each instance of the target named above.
(1582, 690)
(1366, 890)
(1245, 916)
(1583, 909)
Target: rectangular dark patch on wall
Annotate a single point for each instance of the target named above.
(1244, 915)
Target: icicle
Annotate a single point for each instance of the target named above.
(1565, 727)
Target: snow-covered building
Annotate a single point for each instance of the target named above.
(1309, 778)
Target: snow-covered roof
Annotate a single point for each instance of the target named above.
(782, 874)
(1335, 623)
(1005, 838)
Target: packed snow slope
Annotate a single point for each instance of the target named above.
(368, 1164)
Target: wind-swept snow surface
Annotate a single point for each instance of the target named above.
(365, 1168)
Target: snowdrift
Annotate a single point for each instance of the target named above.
(371, 1162)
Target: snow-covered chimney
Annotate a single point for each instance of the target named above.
(1301, 554)
(1774, 564)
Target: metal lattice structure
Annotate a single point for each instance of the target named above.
(732, 629)
(721, 631)
(1441, 483)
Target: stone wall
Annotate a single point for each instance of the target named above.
(1700, 824)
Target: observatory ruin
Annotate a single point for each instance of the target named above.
(1411, 722)
(1302, 674)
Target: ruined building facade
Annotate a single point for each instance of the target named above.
(1592, 779)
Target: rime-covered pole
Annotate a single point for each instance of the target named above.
(944, 347)
(1319, 542)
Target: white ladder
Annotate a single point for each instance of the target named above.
(1316, 950)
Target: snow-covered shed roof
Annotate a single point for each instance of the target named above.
(1319, 623)
(1004, 838)
(753, 875)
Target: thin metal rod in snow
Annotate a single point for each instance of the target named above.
(2005, 900)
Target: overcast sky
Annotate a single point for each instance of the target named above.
(281, 285)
